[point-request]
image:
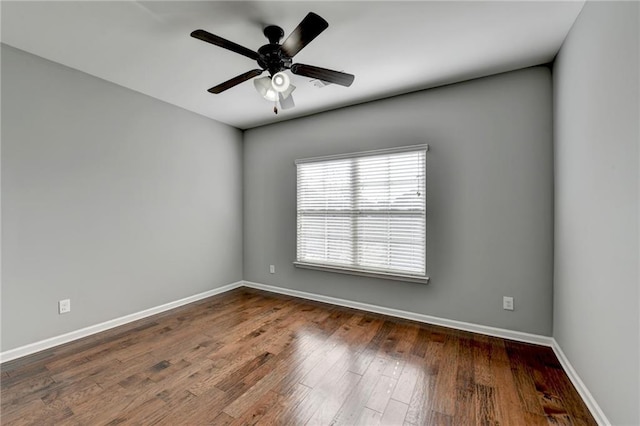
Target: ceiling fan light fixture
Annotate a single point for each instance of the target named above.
(280, 82)
(264, 87)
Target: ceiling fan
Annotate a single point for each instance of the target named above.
(276, 58)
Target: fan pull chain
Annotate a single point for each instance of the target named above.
(275, 108)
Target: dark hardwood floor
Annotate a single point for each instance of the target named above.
(250, 357)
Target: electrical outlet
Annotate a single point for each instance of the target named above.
(64, 306)
(507, 303)
(272, 269)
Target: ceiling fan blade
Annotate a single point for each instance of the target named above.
(286, 103)
(235, 81)
(310, 27)
(324, 74)
(225, 44)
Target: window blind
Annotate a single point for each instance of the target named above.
(364, 212)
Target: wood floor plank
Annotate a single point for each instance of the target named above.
(354, 403)
(139, 414)
(14, 397)
(107, 405)
(485, 405)
(71, 394)
(381, 393)
(331, 403)
(198, 410)
(407, 379)
(482, 355)
(446, 377)
(465, 410)
(327, 362)
(255, 412)
(252, 357)
(20, 413)
(312, 361)
(368, 417)
(336, 384)
(423, 393)
(508, 407)
(567, 398)
(440, 419)
(394, 368)
(394, 413)
(400, 340)
(36, 412)
(107, 377)
(284, 405)
(283, 364)
(523, 375)
(419, 347)
(173, 399)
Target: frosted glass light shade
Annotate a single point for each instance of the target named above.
(280, 82)
(263, 86)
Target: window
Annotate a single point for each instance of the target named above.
(364, 213)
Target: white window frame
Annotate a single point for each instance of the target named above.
(417, 278)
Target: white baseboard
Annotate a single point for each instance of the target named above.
(93, 329)
(586, 396)
(428, 319)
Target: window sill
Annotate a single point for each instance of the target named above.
(382, 275)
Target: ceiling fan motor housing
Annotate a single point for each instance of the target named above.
(272, 58)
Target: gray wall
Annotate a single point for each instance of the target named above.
(490, 180)
(110, 198)
(596, 313)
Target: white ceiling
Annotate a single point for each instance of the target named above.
(391, 47)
